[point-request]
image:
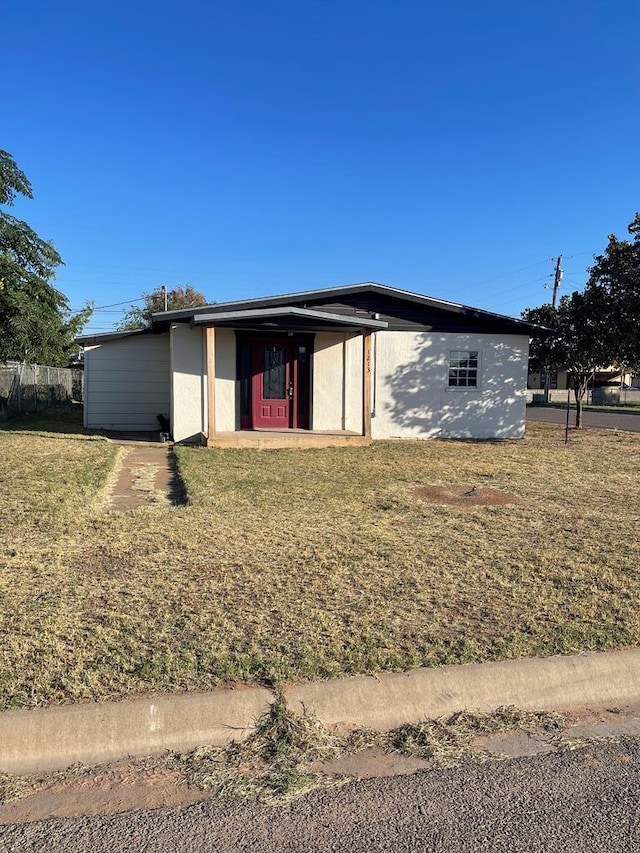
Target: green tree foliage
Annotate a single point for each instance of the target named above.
(139, 317)
(35, 322)
(615, 282)
(577, 342)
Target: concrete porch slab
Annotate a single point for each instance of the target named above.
(287, 439)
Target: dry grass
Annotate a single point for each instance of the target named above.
(289, 564)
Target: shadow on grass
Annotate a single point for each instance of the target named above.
(177, 492)
(66, 420)
(69, 422)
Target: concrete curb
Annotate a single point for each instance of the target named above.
(594, 679)
(53, 738)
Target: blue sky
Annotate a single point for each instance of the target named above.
(252, 148)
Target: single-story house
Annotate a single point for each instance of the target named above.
(362, 360)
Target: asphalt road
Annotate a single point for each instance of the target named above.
(582, 801)
(600, 420)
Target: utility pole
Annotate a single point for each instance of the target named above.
(557, 278)
(163, 292)
(556, 281)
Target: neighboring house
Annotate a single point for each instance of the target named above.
(364, 359)
(561, 379)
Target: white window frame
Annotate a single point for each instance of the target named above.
(457, 357)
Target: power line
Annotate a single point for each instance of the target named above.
(573, 281)
(519, 287)
(169, 271)
(511, 272)
(523, 285)
(528, 267)
(116, 304)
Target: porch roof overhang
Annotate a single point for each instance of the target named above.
(106, 337)
(286, 318)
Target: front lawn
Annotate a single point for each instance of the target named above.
(304, 564)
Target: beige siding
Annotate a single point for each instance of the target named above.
(412, 394)
(127, 383)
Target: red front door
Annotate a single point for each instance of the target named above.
(273, 375)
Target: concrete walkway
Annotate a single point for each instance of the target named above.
(147, 477)
(54, 738)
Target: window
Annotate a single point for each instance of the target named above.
(463, 369)
(245, 381)
(274, 366)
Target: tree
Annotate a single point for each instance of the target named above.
(577, 342)
(615, 282)
(139, 317)
(35, 322)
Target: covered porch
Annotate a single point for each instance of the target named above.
(286, 383)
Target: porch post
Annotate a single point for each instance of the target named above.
(211, 381)
(366, 383)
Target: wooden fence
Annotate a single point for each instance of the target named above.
(28, 388)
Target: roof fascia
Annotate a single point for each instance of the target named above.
(290, 311)
(105, 337)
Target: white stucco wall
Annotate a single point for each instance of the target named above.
(413, 399)
(337, 382)
(189, 403)
(188, 382)
(227, 407)
(127, 383)
(353, 396)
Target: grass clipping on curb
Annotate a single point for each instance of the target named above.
(275, 763)
(271, 763)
